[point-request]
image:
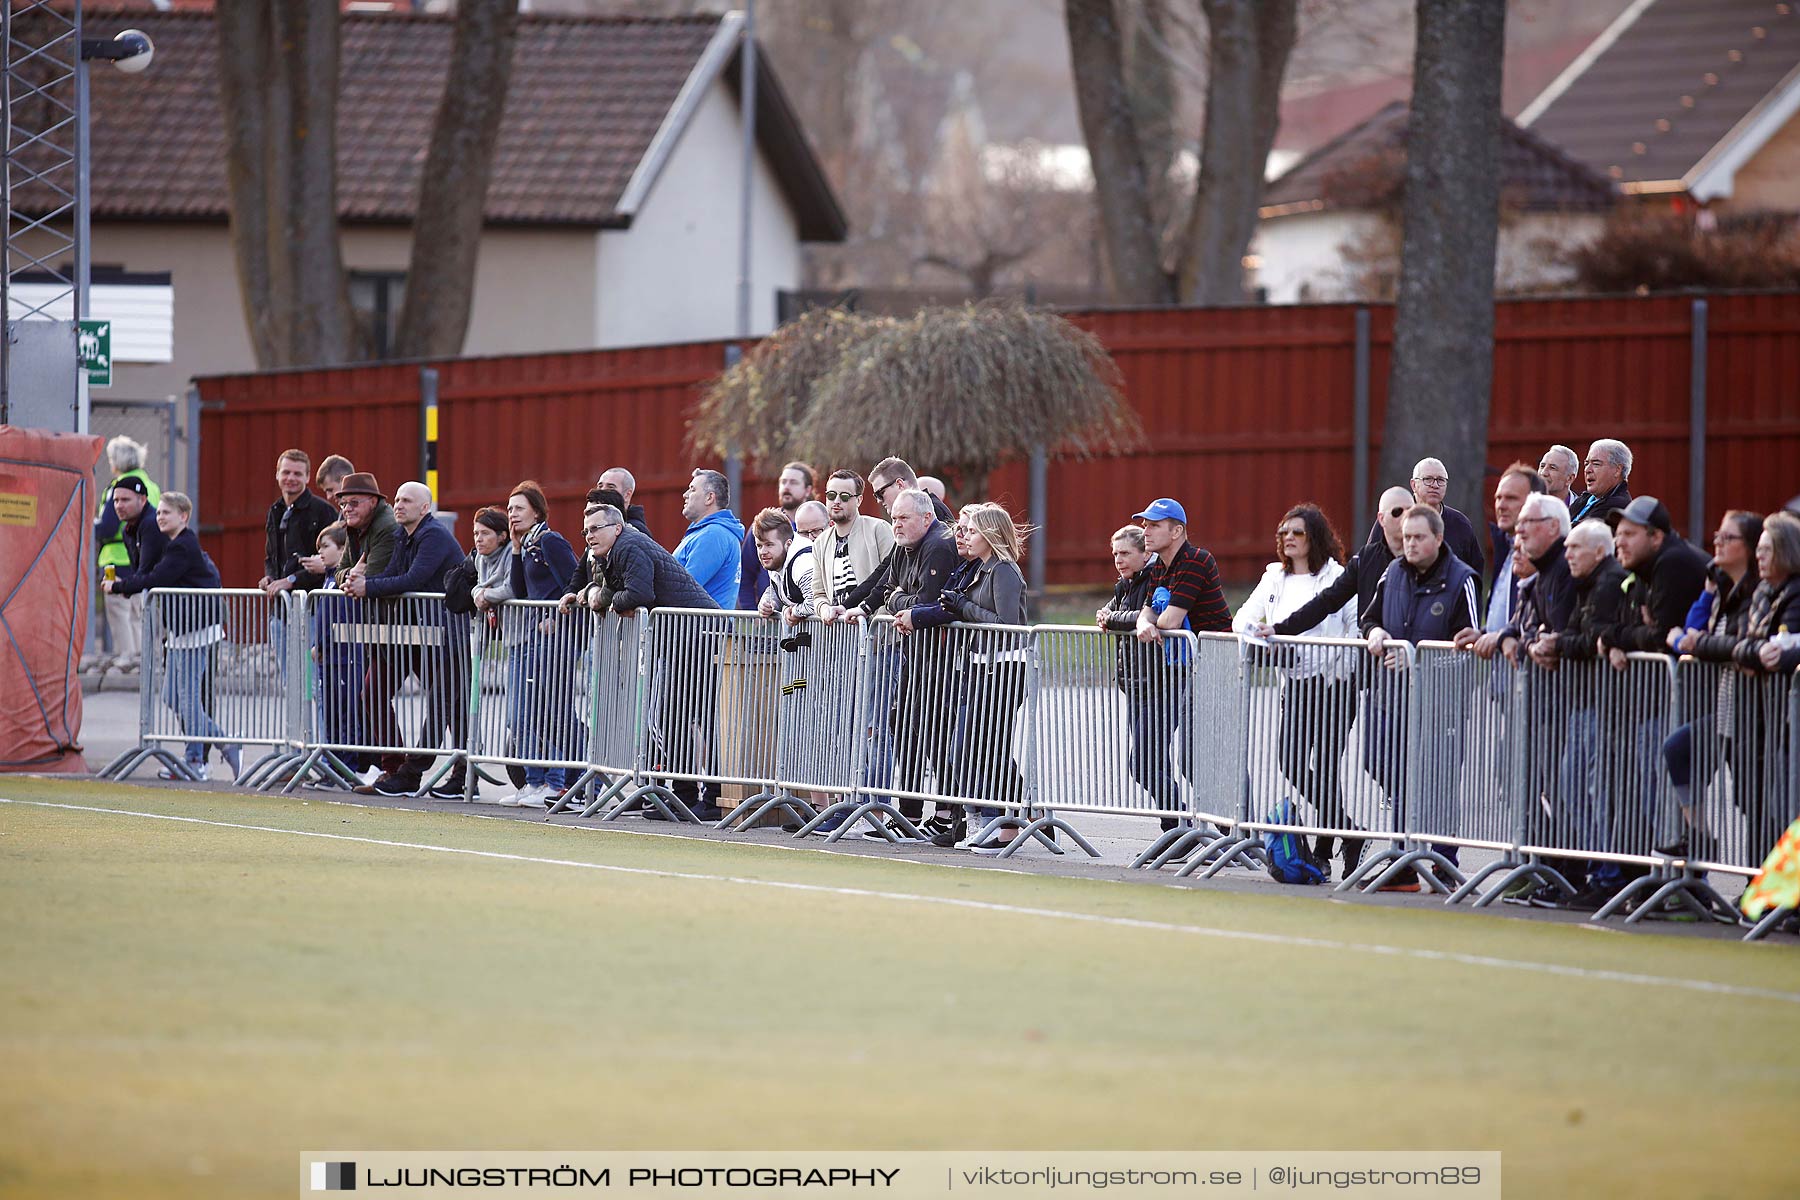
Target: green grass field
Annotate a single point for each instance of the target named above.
(186, 1006)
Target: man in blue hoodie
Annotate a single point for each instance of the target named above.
(710, 548)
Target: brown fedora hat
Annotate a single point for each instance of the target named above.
(360, 483)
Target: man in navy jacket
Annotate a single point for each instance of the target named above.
(438, 655)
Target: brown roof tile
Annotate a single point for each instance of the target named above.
(1664, 55)
(587, 97)
(1365, 167)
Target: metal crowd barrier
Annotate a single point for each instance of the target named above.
(212, 675)
(1547, 775)
(386, 686)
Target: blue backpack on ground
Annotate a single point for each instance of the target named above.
(1289, 860)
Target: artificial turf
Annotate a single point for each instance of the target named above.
(184, 1007)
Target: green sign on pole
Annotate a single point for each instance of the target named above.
(95, 347)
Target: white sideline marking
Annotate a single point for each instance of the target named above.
(1055, 914)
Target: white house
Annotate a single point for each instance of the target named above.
(612, 215)
(1330, 224)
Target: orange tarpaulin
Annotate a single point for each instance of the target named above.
(46, 593)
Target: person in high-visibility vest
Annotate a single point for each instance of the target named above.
(124, 614)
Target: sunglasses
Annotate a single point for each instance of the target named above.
(1291, 532)
(835, 496)
(1397, 512)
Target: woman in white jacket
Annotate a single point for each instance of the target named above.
(1318, 701)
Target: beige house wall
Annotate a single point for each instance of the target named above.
(1771, 179)
(534, 290)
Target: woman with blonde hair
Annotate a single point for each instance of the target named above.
(990, 592)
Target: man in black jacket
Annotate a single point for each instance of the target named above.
(432, 643)
(1565, 707)
(1361, 573)
(1542, 526)
(291, 531)
(144, 542)
(1668, 575)
(1430, 484)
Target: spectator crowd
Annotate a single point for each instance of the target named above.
(1572, 568)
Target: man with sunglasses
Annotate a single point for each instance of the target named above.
(852, 548)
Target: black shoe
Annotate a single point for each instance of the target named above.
(892, 826)
(1591, 899)
(951, 832)
(1548, 896)
(389, 784)
(1352, 849)
(708, 813)
(448, 789)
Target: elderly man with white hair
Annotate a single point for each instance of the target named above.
(1607, 472)
(1561, 467)
(1430, 483)
(124, 614)
(425, 551)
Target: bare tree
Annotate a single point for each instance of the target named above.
(440, 277)
(278, 91)
(1443, 360)
(278, 85)
(1249, 47)
(1122, 184)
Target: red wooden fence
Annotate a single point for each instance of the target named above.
(1247, 410)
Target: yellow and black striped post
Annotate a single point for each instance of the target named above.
(428, 429)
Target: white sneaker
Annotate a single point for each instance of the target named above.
(526, 797)
(371, 775)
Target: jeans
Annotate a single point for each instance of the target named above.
(185, 681)
(528, 704)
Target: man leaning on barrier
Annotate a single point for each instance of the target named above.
(435, 650)
(642, 575)
(1577, 803)
(924, 557)
(1427, 595)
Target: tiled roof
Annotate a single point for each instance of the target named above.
(1669, 82)
(588, 96)
(1366, 166)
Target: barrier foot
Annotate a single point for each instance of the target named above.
(1472, 885)
(334, 771)
(1386, 866)
(1519, 873)
(743, 816)
(267, 773)
(605, 794)
(871, 811)
(111, 769)
(1694, 893)
(177, 766)
(309, 765)
(1212, 844)
(267, 764)
(655, 795)
(1767, 923)
(1172, 844)
(824, 814)
(1037, 829)
(1224, 852)
(1642, 883)
(565, 802)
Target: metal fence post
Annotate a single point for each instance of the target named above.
(191, 438)
(1697, 422)
(428, 428)
(1036, 564)
(1359, 438)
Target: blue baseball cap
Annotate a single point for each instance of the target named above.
(1164, 509)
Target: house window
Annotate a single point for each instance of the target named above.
(375, 298)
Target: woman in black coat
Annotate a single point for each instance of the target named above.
(192, 627)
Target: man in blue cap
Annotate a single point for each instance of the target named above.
(1195, 600)
(1185, 594)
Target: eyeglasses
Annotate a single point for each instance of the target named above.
(1726, 537)
(835, 496)
(1437, 480)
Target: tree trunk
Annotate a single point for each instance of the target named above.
(440, 277)
(278, 67)
(1121, 184)
(1443, 359)
(245, 48)
(1250, 43)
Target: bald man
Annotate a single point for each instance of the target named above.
(1430, 484)
(425, 551)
